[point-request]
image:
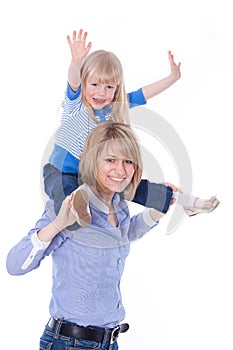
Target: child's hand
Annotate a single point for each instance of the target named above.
(78, 47)
(175, 68)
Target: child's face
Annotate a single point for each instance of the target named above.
(115, 171)
(99, 95)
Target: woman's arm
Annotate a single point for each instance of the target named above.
(41, 240)
(142, 223)
(64, 218)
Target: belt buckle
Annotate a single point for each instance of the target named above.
(115, 334)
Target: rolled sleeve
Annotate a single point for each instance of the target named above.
(37, 246)
(136, 98)
(72, 95)
(148, 219)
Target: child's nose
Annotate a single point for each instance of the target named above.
(102, 90)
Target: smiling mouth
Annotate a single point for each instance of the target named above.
(117, 179)
(99, 101)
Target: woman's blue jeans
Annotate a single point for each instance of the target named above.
(52, 340)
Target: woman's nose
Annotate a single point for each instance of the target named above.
(120, 168)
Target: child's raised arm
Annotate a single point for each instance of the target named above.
(79, 50)
(161, 85)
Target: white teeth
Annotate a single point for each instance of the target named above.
(99, 100)
(116, 179)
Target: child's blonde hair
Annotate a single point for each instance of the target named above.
(107, 68)
(109, 134)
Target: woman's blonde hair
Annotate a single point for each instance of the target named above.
(108, 134)
(107, 68)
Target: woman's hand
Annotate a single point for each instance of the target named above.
(174, 188)
(65, 216)
(155, 215)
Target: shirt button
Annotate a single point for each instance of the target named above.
(119, 261)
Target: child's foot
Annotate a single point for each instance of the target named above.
(80, 205)
(208, 206)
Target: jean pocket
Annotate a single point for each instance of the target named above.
(83, 344)
(45, 345)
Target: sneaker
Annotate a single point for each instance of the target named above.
(80, 206)
(209, 206)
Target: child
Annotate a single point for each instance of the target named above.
(95, 93)
(86, 304)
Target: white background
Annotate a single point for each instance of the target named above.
(177, 289)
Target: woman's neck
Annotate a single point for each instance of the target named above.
(106, 198)
(103, 196)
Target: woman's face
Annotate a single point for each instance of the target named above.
(115, 171)
(99, 95)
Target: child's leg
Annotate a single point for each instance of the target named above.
(58, 186)
(195, 205)
(188, 200)
(158, 196)
(153, 195)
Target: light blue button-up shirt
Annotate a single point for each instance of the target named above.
(87, 263)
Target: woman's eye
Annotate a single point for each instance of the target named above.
(109, 160)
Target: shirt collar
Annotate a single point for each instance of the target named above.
(97, 202)
(104, 113)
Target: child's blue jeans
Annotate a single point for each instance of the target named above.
(58, 185)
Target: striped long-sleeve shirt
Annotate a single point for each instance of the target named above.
(75, 126)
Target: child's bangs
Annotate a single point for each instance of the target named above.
(107, 72)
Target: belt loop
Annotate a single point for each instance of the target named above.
(58, 325)
(105, 338)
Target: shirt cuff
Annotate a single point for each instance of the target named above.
(72, 95)
(136, 98)
(37, 243)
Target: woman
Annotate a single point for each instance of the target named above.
(86, 305)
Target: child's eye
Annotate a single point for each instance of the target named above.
(128, 161)
(109, 160)
(110, 87)
(94, 84)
